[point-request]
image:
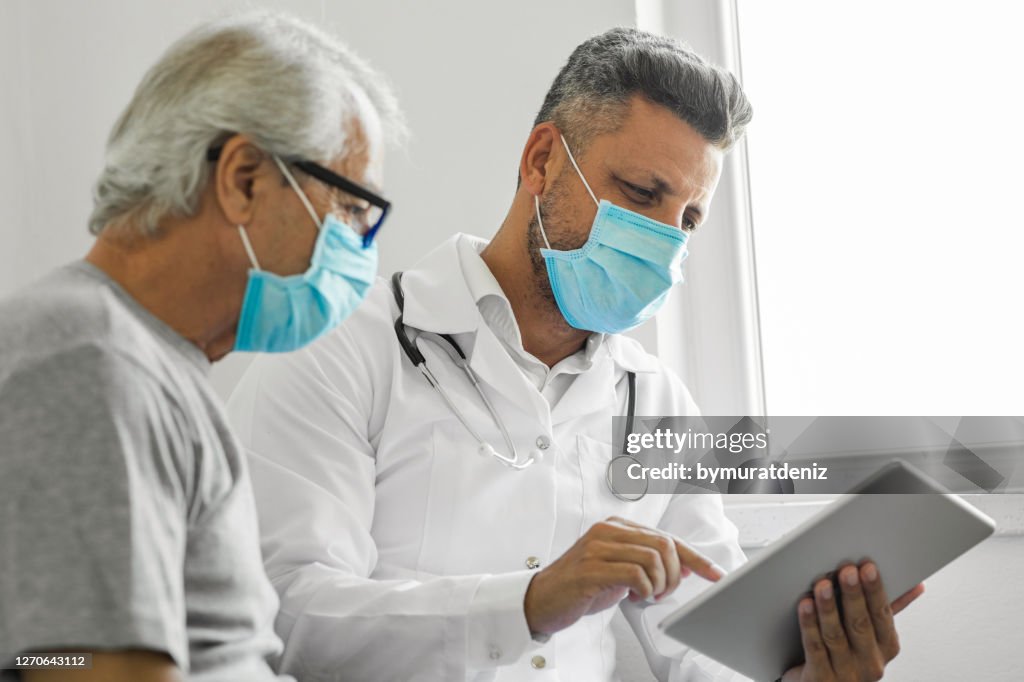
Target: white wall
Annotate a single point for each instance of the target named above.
(15, 147)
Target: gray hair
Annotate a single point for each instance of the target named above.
(293, 89)
(591, 92)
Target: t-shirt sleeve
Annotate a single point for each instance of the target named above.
(93, 508)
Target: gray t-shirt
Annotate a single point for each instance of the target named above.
(126, 515)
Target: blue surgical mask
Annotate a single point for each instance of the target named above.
(281, 314)
(622, 275)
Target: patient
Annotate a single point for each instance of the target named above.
(128, 526)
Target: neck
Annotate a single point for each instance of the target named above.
(197, 297)
(545, 333)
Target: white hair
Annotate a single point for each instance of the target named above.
(293, 89)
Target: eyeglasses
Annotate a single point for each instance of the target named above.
(370, 218)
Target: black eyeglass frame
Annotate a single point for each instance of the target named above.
(329, 177)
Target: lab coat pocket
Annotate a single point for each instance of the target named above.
(479, 513)
(598, 501)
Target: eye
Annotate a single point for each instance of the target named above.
(640, 195)
(689, 224)
(357, 211)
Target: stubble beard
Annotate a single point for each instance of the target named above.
(561, 239)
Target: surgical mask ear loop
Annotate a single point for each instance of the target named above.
(248, 248)
(540, 223)
(578, 171)
(536, 201)
(302, 197)
(298, 190)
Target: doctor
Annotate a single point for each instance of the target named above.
(425, 517)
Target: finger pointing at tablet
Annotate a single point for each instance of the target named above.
(613, 559)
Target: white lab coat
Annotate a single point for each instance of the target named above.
(398, 553)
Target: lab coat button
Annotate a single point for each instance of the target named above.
(543, 442)
(495, 653)
(532, 562)
(538, 662)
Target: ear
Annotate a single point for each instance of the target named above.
(538, 164)
(234, 177)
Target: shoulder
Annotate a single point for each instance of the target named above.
(77, 392)
(75, 352)
(64, 313)
(89, 414)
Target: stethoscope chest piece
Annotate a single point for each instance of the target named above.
(623, 483)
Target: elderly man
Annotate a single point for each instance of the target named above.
(232, 213)
(398, 552)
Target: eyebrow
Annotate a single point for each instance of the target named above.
(650, 179)
(660, 184)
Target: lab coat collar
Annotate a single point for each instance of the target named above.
(595, 389)
(630, 355)
(436, 296)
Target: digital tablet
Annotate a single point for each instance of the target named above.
(748, 620)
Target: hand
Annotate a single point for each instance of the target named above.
(856, 646)
(613, 558)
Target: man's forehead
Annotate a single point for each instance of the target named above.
(360, 160)
(656, 147)
(667, 172)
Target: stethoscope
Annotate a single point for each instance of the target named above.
(455, 352)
